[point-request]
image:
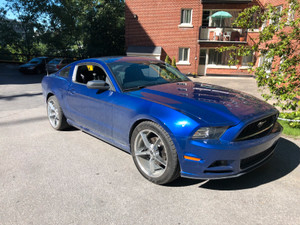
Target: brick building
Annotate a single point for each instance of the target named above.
(185, 29)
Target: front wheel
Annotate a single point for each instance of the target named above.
(154, 153)
(55, 114)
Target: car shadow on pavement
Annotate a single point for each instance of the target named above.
(182, 182)
(12, 97)
(285, 159)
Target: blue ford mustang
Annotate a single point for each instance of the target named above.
(170, 125)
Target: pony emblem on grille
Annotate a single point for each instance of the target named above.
(261, 123)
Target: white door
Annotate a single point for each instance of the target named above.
(202, 62)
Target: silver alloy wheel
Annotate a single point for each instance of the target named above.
(53, 114)
(150, 153)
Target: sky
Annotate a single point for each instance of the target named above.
(9, 15)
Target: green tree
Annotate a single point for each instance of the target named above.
(174, 62)
(278, 46)
(167, 60)
(23, 33)
(84, 28)
(105, 29)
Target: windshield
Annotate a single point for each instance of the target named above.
(35, 61)
(55, 61)
(134, 75)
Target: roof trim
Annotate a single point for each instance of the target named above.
(149, 50)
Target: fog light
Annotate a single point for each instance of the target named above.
(219, 163)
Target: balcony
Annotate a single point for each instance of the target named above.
(225, 1)
(219, 35)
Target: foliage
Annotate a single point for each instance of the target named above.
(278, 44)
(293, 118)
(167, 60)
(174, 62)
(84, 28)
(287, 130)
(194, 74)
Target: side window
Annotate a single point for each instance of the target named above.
(65, 72)
(86, 73)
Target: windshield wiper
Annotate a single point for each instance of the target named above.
(135, 88)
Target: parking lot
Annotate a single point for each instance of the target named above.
(70, 177)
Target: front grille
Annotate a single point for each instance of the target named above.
(252, 160)
(257, 129)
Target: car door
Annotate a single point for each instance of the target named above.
(90, 109)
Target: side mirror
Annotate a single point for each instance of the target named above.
(98, 84)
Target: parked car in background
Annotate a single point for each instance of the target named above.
(171, 126)
(36, 65)
(57, 63)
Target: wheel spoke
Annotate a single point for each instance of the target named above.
(51, 106)
(52, 114)
(159, 160)
(151, 166)
(145, 139)
(142, 152)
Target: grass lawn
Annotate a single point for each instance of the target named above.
(287, 130)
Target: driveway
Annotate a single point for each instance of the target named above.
(70, 177)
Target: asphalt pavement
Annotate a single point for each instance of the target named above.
(70, 177)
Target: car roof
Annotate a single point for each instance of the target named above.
(129, 59)
(42, 57)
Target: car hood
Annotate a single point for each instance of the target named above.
(212, 104)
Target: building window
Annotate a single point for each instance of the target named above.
(291, 12)
(278, 11)
(205, 18)
(184, 55)
(218, 58)
(186, 16)
(255, 20)
(268, 61)
(247, 60)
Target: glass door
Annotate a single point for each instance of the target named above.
(202, 61)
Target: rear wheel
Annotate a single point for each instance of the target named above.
(55, 114)
(154, 153)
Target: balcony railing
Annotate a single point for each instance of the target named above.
(226, 34)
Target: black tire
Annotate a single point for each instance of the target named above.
(154, 153)
(55, 114)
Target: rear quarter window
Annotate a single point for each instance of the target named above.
(65, 72)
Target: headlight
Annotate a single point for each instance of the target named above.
(209, 132)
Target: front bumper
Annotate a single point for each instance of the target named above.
(220, 159)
